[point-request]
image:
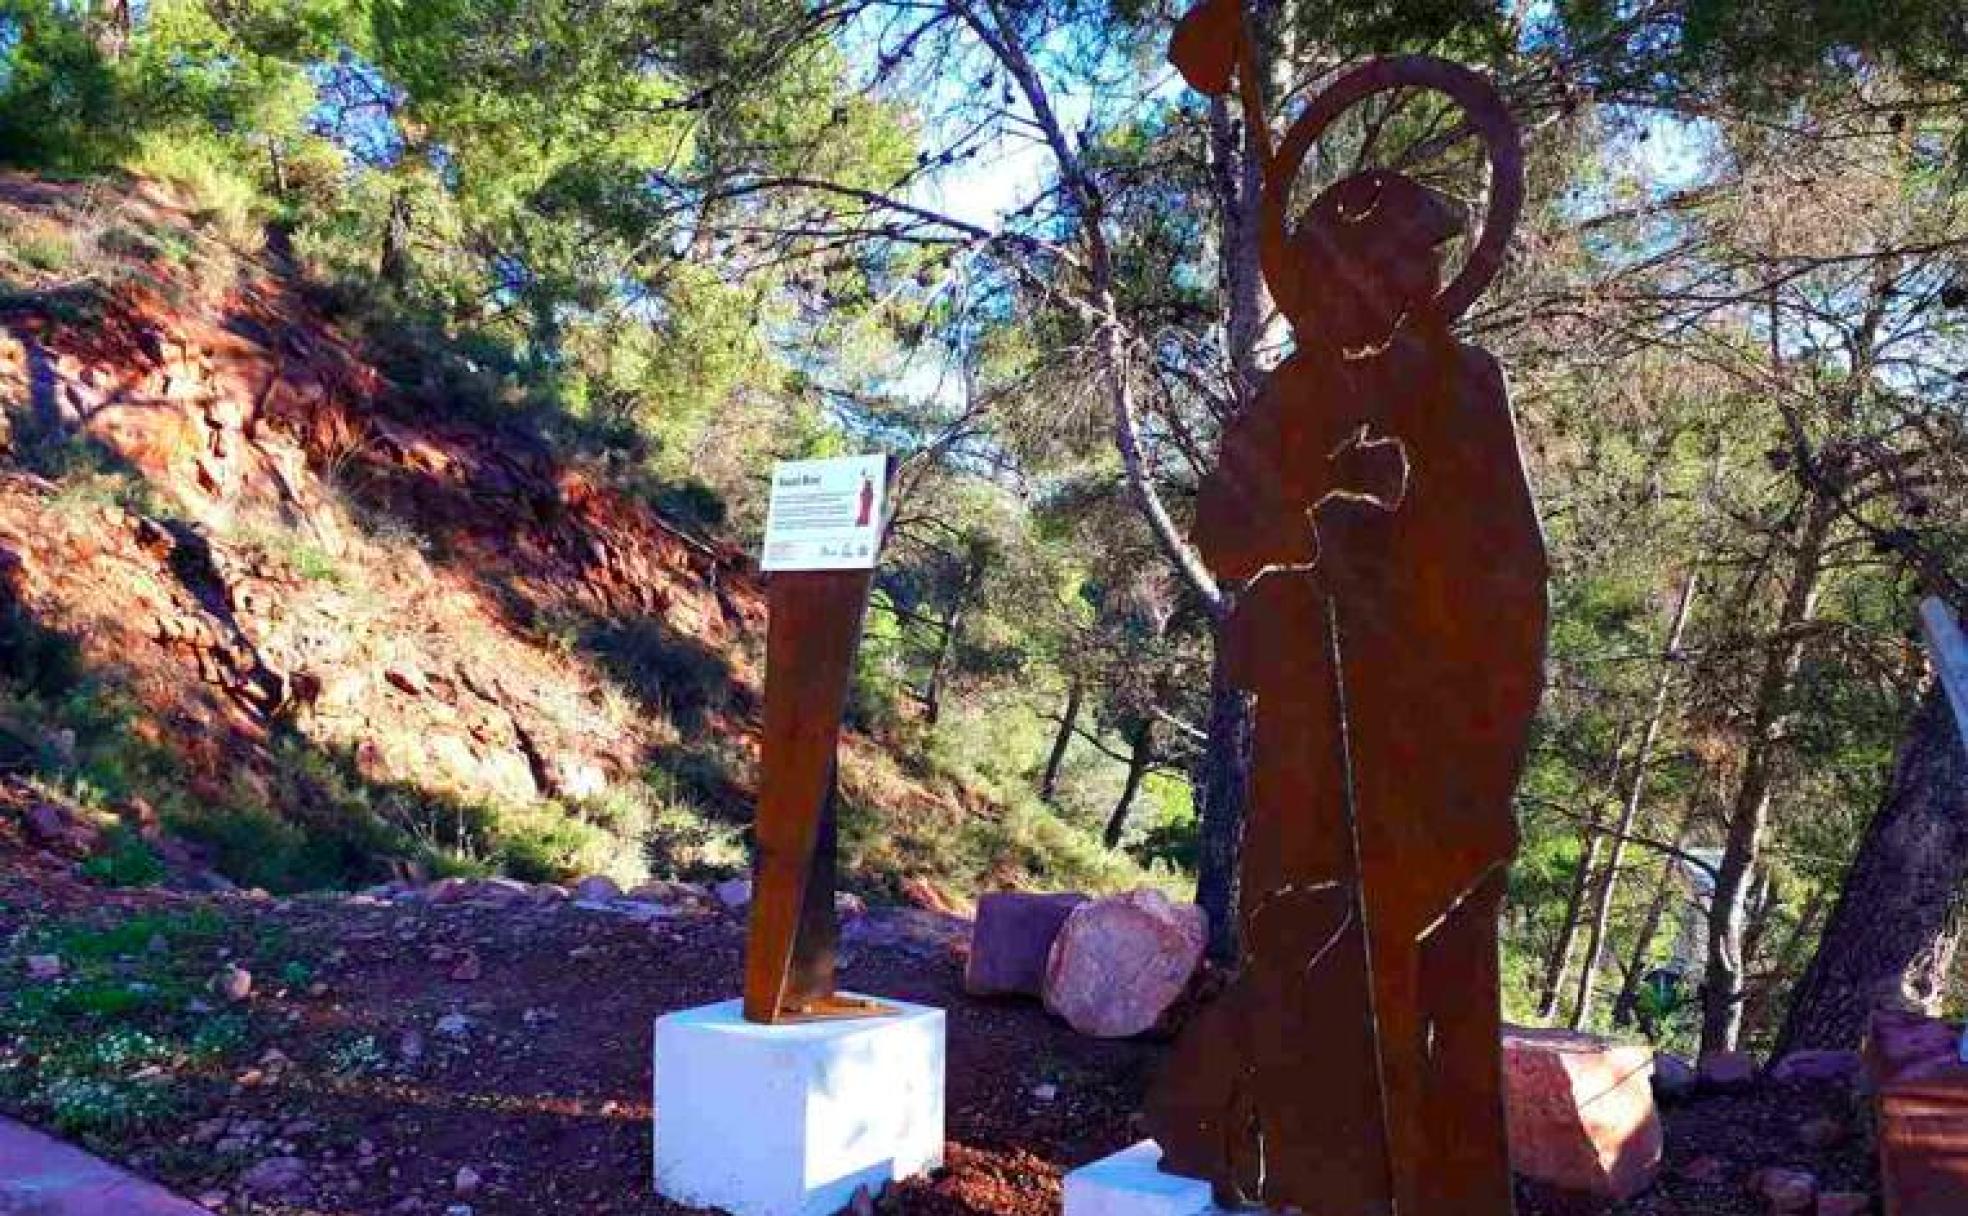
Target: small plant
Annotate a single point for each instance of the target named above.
(357, 1056)
(45, 251)
(126, 862)
(316, 565)
(99, 1105)
(217, 1037)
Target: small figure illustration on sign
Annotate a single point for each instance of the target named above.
(862, 519)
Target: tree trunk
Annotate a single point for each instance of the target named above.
(1068, 720)
(1894, 926)
(1722, 981)
(111, 29)
(932, 696)
(1602, 907)
(1140, 756)
(1221, 780)
(1561, 953)
(1756, 925)
(946, 645)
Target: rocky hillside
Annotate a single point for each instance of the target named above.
(327, 629)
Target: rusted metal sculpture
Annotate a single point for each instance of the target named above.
(812, 635)
(1371, 509)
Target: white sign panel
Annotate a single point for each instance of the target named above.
(826, 514)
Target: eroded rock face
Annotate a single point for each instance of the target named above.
(1120, 963)
(1581, 1110)
(1012, 940)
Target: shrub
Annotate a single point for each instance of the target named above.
(683, 843)
(221, 196)
(80, 1105)
(252, 845)
(687, 679)
(544, 844)
(126, 862)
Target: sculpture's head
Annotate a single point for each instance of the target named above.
(1366, 256)
(1367, 253)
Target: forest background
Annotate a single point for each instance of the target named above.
(683, 239)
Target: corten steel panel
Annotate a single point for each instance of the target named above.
(812, 635)
(1371, 516)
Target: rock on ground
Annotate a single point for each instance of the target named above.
(275, 1176)
(1012, 939)
(1841, 1066)
(1674, 1077)
(1727, 1070)
(597, 887)
(1120, 963)
(1581, 1112)
(1785, 1190)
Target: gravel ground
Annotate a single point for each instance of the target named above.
(513, 1043)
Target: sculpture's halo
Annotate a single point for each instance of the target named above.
(1487, 114)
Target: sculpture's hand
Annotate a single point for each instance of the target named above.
(1375, 469)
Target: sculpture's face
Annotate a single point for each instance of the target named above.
(1366, 255)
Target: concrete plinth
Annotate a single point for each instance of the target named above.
(790, 1120)
(1130, 1183)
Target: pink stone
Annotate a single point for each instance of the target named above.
(1581, 1110)
(1011, 941)
(1120, 963)
(1921, 1089)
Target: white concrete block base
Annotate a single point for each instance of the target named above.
(790, 1120)
(1129, 1183)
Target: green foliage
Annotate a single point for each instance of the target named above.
(125, 861)
(117, 1044)
(60, 101)
(357, 1055)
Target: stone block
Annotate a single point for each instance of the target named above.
(1122, 962)
(1581, 1112)
(790, 1120)
(1921, 1094)
(1130, 1183)
(41, 1176)
(1011, 940)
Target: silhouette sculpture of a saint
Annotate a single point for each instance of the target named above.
(865, 515)
(1370, 510)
